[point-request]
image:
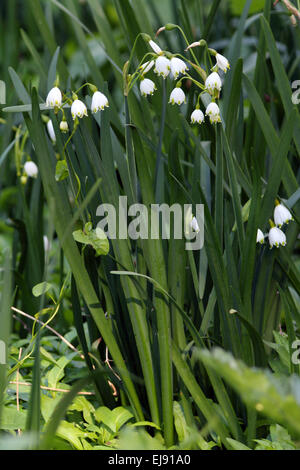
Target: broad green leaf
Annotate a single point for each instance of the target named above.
(236, 445)
(180, 422)
(273, 397)
(82, 404)
(61, 171)
(12, 419)
(72, 434)
(145, 423)
(138, 439)
(48, 405)
(104, 415)
(94, 237)
(237, 6)
(41, 288)
(57, 372)
(47, 356)
(121, 416)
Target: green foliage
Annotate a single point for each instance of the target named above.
(41, 288)
(94, 237)
(237, 6)
(122, 355)
(61, 171)
(279, 440)
(275, 397)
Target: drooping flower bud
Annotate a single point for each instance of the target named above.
(147, 66)
(51, 132)
(155, 47)
(260, 238)
(64, 127)
(222, 63)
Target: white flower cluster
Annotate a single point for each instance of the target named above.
(165, 64)
(276, 236)
(78, 108)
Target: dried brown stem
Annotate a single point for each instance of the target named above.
(292, 9)
(51, 389)
(49, 328)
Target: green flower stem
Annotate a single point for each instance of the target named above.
(198, 99)
(196, 67)
(187, 43)
(137, 74)
(82, 86)
(188, 77)
(209, 55)
(133, 49)
(76, 123)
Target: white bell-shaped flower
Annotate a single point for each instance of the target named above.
(282, 215)
(177, 96)
(78, 109)
(147, 87)
(155, 47)
(260, 238)
(276, 237)
(31, 169)
(54, 98)
(162, 66)
(197, 116)
(222, 63)
(213, 83)
(99, 102)
(213, 111)
(50, 130)
(177, 66)
(147, 66)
